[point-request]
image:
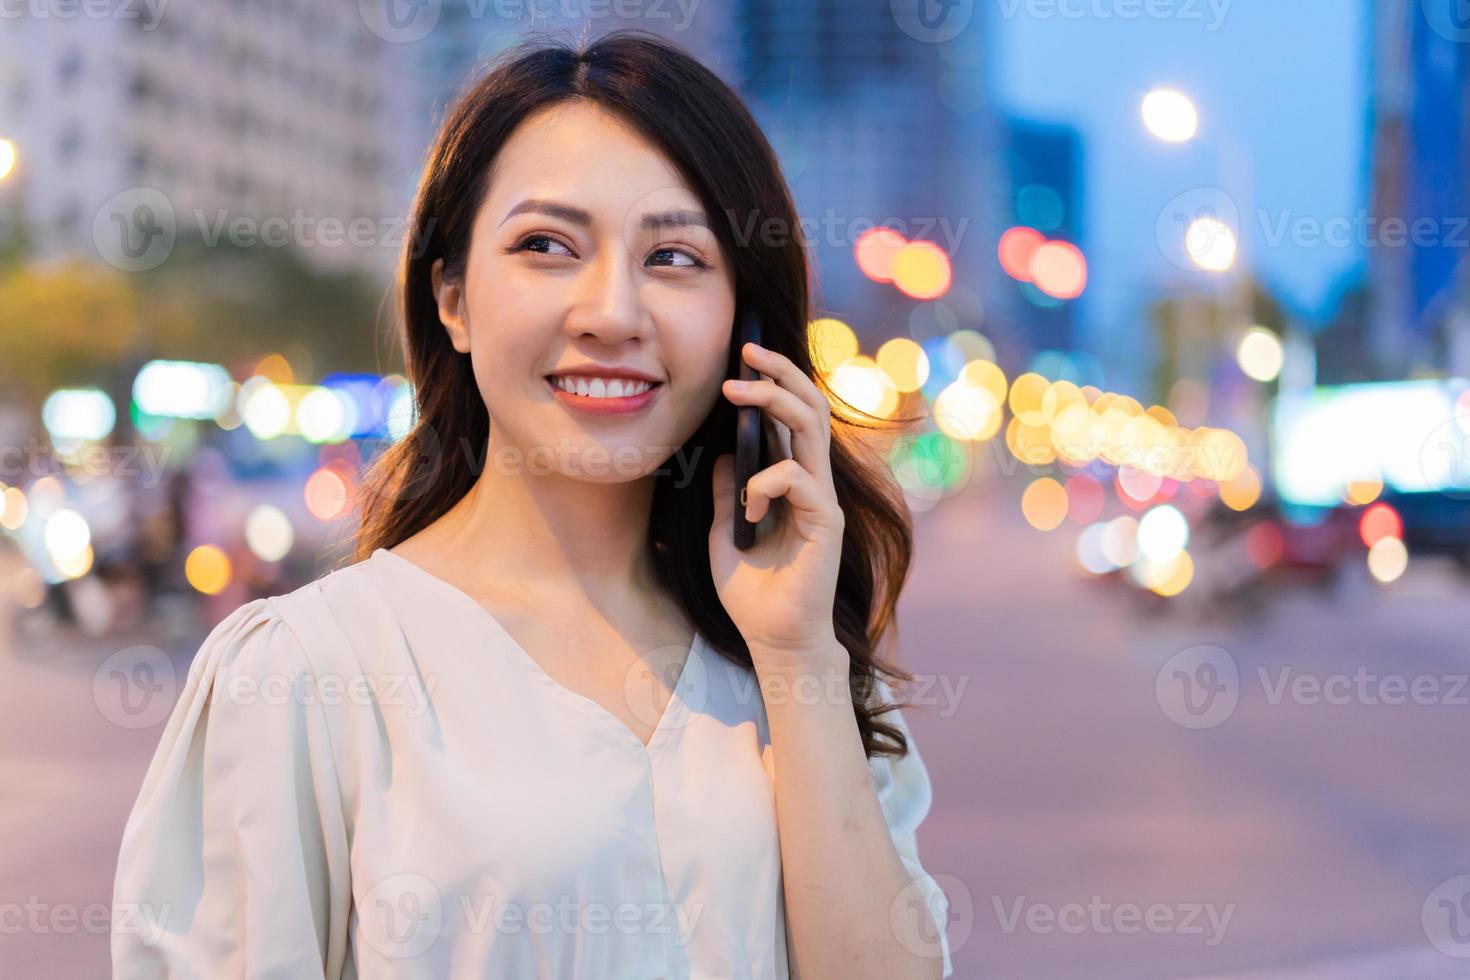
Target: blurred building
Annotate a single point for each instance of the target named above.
(468, 35)
(235, 112)
(1420, 297)
(874, 125)
(1035, 181)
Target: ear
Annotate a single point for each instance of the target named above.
(450, 297)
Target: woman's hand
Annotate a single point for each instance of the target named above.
(781, 592)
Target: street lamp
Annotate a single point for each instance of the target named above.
(1170, 115)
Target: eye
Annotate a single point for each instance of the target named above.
(544, 245)
(693, 262)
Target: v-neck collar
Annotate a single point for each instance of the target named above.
(689, 675)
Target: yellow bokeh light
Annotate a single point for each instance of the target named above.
(905, 363)
(1171, 577)
(831, 342)
(987, 375)
(1031, 444)
(13, 508)
(1058, 397)
(966, 412)
(1388, 558)
(1025, 399)
(859, 382)
(276, 368)
(1363, 490)
(208, 569)
(1220, 456)
(921, 270)
(1044, 504)
(1242, 492)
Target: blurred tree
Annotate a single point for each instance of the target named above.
(1194, 331)
(252, 301)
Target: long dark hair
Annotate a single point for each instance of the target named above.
(707, 132)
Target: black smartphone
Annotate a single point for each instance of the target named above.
(749, 444)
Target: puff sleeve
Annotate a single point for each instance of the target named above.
(234, 859)
(905, 792)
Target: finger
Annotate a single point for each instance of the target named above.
(778, 437)
(810, 434)
(790, 481)
(785, 372)
(723, 487)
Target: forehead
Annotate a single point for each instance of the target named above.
(582, 154)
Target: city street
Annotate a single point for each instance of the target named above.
(1060, 777)
(1291, 834)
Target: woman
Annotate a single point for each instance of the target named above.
(551, 723)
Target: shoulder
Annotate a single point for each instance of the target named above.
(275, 634)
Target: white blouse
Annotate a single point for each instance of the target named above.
(368, 777)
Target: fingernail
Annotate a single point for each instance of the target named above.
(737, 384)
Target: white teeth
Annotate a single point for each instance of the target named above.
(600, 387)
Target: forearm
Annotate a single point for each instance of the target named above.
(839, 866)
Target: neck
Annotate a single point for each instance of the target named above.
(552, 532)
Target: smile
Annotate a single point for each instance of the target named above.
(603, 396)
(585, 387)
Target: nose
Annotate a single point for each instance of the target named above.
(609, 305)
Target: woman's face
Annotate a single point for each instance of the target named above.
(591, 254)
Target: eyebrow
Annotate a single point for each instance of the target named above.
(578, 216)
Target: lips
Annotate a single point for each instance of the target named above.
(605, 404)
